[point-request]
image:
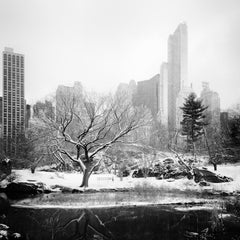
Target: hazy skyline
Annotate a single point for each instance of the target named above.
(104, 42)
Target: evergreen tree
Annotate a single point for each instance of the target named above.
(193, 120)
(234, 131)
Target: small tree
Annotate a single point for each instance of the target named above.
(214, 140)
(193, 120)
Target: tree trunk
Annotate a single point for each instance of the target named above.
(215, 166)
(194, 151)
(86, 175)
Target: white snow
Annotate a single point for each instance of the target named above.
(110, 181)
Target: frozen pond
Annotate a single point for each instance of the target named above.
(125, 215)
(105, 199)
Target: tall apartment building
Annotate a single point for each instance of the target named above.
(1, 100)
(147, 94)
(177, 71)
(1, 117)
(13, 104)
(163, 94)
(211, 100)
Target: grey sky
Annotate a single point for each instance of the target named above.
(104, 42)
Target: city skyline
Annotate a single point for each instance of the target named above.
(103, 44)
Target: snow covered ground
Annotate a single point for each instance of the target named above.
(110, 181)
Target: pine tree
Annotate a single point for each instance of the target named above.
(193, 120)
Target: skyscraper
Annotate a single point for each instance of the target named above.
(1, 118)
(177, 70)
(163, 94)
(13, 105)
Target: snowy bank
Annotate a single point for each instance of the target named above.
(110, 181)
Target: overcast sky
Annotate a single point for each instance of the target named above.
(104, 42)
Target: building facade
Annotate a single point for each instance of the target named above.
(147, 94)
(13, 103)
(177, 70)
(1, 118)
(127, 90)
(224, 121)
(163, 94)
(65, 97)
(211, 100)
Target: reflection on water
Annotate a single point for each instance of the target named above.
(83, 218)
(115, 199)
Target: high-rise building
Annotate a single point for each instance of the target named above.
(163, 94)
(177, 71)
(147, 94)
(1, 110)
(13, 109)
(211, 100)
(1, 118)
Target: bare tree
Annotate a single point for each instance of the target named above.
(85, 128)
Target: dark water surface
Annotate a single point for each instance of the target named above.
(123, 216)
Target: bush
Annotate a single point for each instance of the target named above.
(233, 206)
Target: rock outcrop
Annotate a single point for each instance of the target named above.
(5, 168)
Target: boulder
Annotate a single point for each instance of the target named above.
(205, 175)
(168, 161)
(203, 184)
(5, 168)
(23, 188)
(174, 171)
(4, 204)
(7, 234)
(71, 190)
(143, 172)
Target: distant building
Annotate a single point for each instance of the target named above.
(224, 120)
(127, 89)
(163, 94)
(45, 109)
(28, 115)
(13, 114)
(65, 96)
(177, 70)
(211, 100)
(147, 94)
